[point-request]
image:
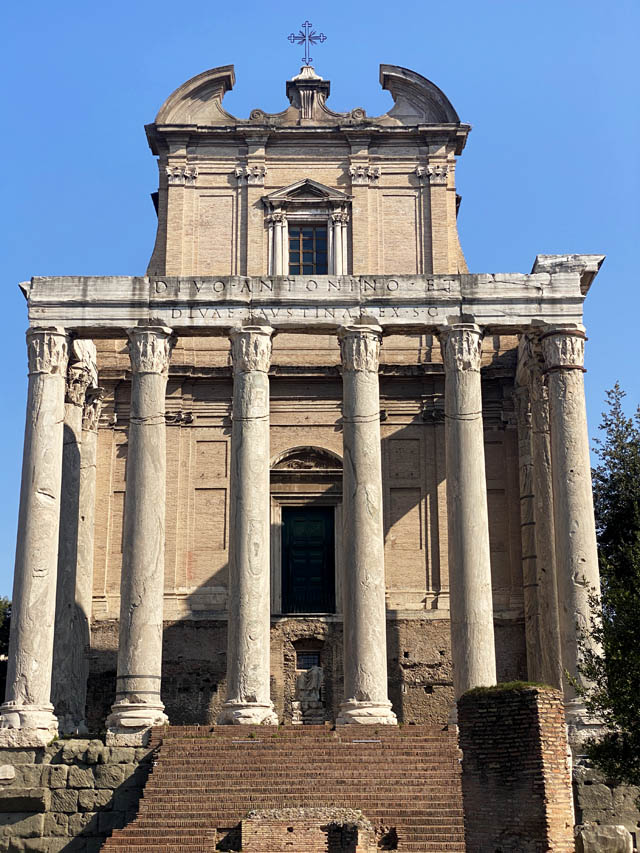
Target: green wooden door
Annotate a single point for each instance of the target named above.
(308, 576)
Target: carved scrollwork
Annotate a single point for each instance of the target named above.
(461, 347)
(364, 175)
(254, 175)
(150, 349)
(47, 350)
(181, 175)
(436, 174)
(251, 348)
(360, 347)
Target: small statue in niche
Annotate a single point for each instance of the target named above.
(308, 706)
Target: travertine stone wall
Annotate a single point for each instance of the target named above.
(69, 795)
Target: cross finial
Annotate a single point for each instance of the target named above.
(307, 37)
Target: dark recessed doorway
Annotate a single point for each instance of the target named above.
(308, 555)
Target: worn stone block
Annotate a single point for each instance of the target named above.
(91, 800)
(596, 796)
(56, 824)
(108, 821)
(603, 839)
(24, 799)
(17, 756)
(96, 752)
(7, 774)
(121, 755)
(29, 775)
(64, 800)
(82, 824)
(36, 845)
(108, 776)
(125, 799)
(80, 777)
(18, 825)
(55, 775)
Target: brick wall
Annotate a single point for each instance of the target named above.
(307, 830)
(516, 779)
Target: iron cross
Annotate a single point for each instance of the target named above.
(307, 37)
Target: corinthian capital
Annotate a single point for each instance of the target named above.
(47, 350)
(150, 349)
(564, 349)
(461, 347)
(92, 408)
(360, 347)
(251, 348)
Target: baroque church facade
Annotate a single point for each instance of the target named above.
(308, 468)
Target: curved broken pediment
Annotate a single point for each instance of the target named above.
(199, 100)
(416, 99)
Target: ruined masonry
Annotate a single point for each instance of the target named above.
(310, 471)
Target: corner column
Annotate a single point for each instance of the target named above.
(575, 534)
(248, 660)
(68, 686)
(365, 631)
(26, 717)
(138, 705)
(472, 639)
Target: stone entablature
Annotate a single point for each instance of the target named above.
(501, 303)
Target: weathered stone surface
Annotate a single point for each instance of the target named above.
(64, 800)
(95, 800)
(248, 689)
(603, 839)
(55, 775)
(365, 669)
(472, 638)
(108, 775)
(80, 777)
(26, 717)
(138, 705)
(56, 824)
(20, 825)
(24, 799)
(575, 535)
(7, 774)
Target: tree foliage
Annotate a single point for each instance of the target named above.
(611, 652)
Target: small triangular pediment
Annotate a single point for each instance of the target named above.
(307, 188)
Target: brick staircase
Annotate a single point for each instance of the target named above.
(206, 779)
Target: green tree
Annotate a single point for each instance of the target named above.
(611, 651)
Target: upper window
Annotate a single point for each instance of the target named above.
(308, 250)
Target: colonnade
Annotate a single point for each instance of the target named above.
(28, 715)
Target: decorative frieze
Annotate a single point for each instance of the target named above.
(150, 349)
(360, 348)
(462, 347)
(253, 175)
(251, 349)
(181, 175)
(436, 174)
(364, 175)
(47, 350)
(564, 349)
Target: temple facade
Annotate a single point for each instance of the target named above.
(307, 468)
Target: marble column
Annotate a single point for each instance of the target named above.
(138, 705)
(546, 572)
(364, 610)
(336, 221)
(68, 686)
(26, 717)
(575, 534)
(278, 257)
(472, 638)
(248, 667)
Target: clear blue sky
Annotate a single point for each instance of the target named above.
(551, 166)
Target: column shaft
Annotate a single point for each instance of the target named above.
(575, 535)
(138, 705)
(26, 717)
(337, 243)
(68, 686)
(365, 640)
(472, 638)
(248, 659)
